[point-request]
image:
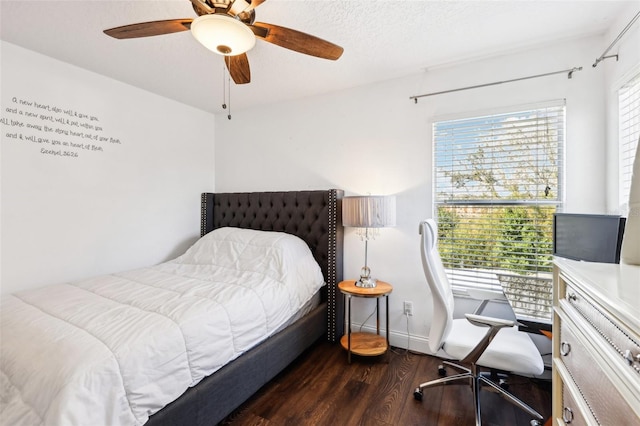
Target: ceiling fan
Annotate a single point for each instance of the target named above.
(228, 28)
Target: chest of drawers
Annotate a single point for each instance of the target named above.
(596, 344)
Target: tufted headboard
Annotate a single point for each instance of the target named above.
(314, 216)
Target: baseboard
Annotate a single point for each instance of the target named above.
(403, 340)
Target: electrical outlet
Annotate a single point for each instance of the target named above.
(408, 308)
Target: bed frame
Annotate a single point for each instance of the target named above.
(314, 216)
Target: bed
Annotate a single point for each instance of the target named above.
(228, 219)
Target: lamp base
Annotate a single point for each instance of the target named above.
(366, 282)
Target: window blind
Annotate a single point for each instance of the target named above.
(629, 132)
(497, 185)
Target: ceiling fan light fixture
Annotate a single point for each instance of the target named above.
(223, 34)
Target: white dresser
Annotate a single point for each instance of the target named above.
(596, 344)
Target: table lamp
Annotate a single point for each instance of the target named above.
(368, 213)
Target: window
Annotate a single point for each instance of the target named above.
(497, 185)
(629, 131)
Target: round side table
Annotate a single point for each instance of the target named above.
(362, 343)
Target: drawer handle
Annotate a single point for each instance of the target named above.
(565, 348)
(572, 297)
(567, 415)
(628, 355)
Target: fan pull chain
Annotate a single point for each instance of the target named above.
(229, 92)
(226, 86)
(224, 89)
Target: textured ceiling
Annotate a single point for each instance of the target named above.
(382, 40)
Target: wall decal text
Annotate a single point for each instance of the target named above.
(54, 130)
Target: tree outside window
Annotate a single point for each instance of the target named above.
(497, 186)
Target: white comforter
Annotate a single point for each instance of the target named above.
(117, 348)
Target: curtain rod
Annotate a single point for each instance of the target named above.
(603, 57)
(569, 75)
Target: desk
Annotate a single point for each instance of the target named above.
(365, 344)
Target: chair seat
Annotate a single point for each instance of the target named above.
(511, 350)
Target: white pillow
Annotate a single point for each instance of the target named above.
(630, 252)
(277, 255)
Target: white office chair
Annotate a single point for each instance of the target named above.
(476, 341)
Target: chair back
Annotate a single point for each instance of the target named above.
(436, 276)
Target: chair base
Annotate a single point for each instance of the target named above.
(477, 380)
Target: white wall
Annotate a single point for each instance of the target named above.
(133, 204)
(373, 139)
(617, 73)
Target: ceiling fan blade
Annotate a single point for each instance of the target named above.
(299, 41)
(147, 29)
(254, 4)
(201, 7)
(238, 67)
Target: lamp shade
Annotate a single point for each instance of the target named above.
(223, 34)
(371, 211)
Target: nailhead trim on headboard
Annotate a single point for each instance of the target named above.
(331, 284)
(203, 214)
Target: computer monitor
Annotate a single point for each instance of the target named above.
(588, 237)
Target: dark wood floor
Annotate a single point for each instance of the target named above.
(321, 388)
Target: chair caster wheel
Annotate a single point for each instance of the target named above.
(442, 371)
(535, 423)
(417, 394)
